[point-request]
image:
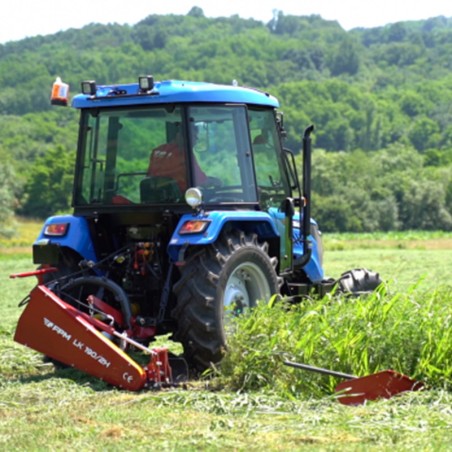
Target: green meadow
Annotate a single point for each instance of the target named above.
(253, 401)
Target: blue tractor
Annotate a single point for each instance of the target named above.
(187, 209)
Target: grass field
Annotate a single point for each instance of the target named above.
(255, 403)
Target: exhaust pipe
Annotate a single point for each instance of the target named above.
(305, 201)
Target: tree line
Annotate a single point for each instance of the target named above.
(380, 98)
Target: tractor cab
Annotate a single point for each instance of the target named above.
(148, 156)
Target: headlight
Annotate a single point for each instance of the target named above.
(89, 87)
(146, 83)
(193, 197)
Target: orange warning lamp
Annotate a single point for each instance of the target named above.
(60, 93)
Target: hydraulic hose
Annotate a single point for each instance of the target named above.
(105, 283)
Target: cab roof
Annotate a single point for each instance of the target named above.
(172, 91)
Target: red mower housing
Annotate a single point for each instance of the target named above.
(55, 328)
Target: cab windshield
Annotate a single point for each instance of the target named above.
(135, 156)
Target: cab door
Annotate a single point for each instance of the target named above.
(272, 179)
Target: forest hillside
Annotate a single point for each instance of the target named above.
(380, 99)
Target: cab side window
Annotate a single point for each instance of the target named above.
(271, 177)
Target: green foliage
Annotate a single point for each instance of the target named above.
(385, 190)
(381, 89)
(49, 186)
(408, 332)
(25, 233)
(8, 189)
(347, 58)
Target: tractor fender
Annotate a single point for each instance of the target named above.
(73, 234)
(213, 223)
(314, 267)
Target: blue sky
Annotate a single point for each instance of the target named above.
(24, 18)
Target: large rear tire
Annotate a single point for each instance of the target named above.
(216, 281)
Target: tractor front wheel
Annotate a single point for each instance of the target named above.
(218, 281)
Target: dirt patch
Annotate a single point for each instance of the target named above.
(22, 250)
(427, 244)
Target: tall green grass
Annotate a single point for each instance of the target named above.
(408, 332)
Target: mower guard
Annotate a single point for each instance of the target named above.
(381, 385)
(53, 327)
(357, 390)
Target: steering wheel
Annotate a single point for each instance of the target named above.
(213, 182)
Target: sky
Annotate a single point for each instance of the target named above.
(26, 18)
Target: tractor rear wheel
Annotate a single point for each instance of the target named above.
(359, 281)
(220, 280)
